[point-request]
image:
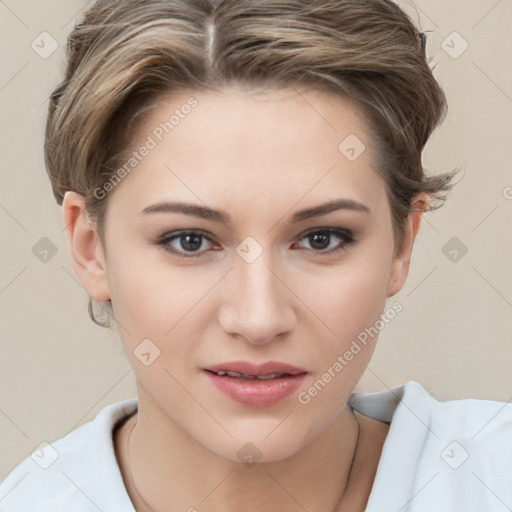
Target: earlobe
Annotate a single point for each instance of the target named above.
(401, 262)
(87, 254)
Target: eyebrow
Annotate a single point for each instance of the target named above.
(204, 212)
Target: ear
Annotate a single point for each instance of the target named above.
(401, 261)
(87, 254)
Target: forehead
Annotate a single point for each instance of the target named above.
(269, 144)
(257, 113)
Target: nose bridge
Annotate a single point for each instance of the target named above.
(257, 304)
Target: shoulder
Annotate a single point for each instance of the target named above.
(440, 455)
(412, 404)
(479, 426)
(482, 421)
(77, 472)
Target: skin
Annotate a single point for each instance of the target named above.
(261, 158)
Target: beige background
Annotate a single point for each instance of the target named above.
(454, 334)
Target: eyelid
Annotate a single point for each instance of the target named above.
(331, 229)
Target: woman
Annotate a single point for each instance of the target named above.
(241, 187)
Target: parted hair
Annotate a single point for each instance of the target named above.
(125, 54)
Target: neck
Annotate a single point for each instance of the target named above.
(163, 465)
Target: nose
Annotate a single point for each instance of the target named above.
(257, 303)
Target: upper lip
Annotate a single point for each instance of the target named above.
(247, 368)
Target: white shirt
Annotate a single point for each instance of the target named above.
(437, 457)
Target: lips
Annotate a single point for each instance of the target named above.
(260, 385)
(246, 376)
(264, 371)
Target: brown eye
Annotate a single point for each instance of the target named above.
(323, 240)
(183, 243)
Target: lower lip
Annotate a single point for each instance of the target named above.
(256, 392)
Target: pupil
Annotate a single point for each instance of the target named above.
(318, 238)
(191, 245)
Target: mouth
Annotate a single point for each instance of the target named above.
(222, 373)
(245, 370)
(256, 385)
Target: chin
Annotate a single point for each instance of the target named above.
(259, 445)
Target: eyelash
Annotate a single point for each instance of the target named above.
(345, 235)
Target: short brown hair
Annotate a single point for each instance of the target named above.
(126, 53)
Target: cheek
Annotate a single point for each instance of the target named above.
(154, 299)
(352, 296)
(349, 304)
(158, 309)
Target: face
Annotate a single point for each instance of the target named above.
(251, 270)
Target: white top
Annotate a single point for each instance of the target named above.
(437, 457)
